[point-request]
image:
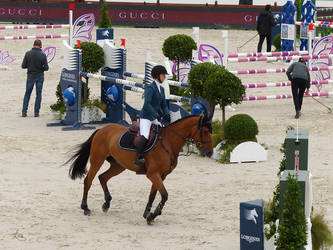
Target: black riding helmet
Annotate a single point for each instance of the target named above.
(157, 71)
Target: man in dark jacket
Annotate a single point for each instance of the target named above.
(265, 24)
(36, 63)
(298, 74)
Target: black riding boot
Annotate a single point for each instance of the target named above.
(140, 161)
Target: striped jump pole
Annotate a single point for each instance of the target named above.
(23, 27)
(324, 22)
(268, 54)
(286, 96)
(324, 17)
(142, 77)
(132, 75)
(281, 84)
(172, 97)
(315, 24)
(278, 70)
(112, 79)
(33, 37)
(129, 85)
(325, 9)
(278, 58)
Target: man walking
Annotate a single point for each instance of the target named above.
(265, 24)
(36, 63)
(298, 74)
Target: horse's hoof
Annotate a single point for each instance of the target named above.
(105, 207)
(150, 219)
(87, 212)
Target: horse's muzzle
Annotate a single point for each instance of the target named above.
(207, 152)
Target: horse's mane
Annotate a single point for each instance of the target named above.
(182, 119)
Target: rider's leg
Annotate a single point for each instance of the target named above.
(145, 125)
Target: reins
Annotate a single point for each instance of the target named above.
(186, 140)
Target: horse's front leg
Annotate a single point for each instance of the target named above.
(157, 181)
(151, 199)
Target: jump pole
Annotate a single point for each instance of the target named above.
(285, 96)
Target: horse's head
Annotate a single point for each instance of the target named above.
(203, 136)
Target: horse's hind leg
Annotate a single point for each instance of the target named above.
(114, 170)
(95, 164)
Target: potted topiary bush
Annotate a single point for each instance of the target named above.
(238, 128)
(179, 48)
(216, 84)
(105, 30)
(241, 128)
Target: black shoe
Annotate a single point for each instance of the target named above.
(298, 114)
(36, 115)
(24, 114)
(140, 161)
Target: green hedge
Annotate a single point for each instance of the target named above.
(241, 127)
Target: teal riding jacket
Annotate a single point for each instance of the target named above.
(155, 106)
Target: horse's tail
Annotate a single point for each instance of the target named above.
(80, 159)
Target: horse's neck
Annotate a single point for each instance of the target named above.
(181, 131)
(185, 127)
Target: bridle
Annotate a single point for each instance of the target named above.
(186, 140)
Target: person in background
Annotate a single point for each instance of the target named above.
(298, 74)
(36, 63)
(265, 24)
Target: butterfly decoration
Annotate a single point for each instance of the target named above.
(50, 53)
(5, 58)
(184, 69)
(206, 51)
(323, 47)
(83, 27)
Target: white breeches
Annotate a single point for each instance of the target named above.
(145, 125)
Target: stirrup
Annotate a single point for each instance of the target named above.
(139, 162)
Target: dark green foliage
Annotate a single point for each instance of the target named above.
(322, 237)
(179, 48)
(92, 57)
(198, 76)
(277, 42)
(241, 127)
(227, 149)
(60, 105)
(218, 132)
(292, 224)
(105, 21)
(216, 84)
(271, 212)
(92, 62)
(283, 152)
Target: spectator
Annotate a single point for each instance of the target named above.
(36, 63)
(264, 27)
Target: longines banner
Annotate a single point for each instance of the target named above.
(137, 15)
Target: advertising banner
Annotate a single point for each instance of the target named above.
(137, 14)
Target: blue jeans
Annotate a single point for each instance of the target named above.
(29, 87)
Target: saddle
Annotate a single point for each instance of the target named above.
(130, 137)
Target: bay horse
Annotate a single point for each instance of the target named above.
(160, 161)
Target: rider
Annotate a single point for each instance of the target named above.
(154, 109)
